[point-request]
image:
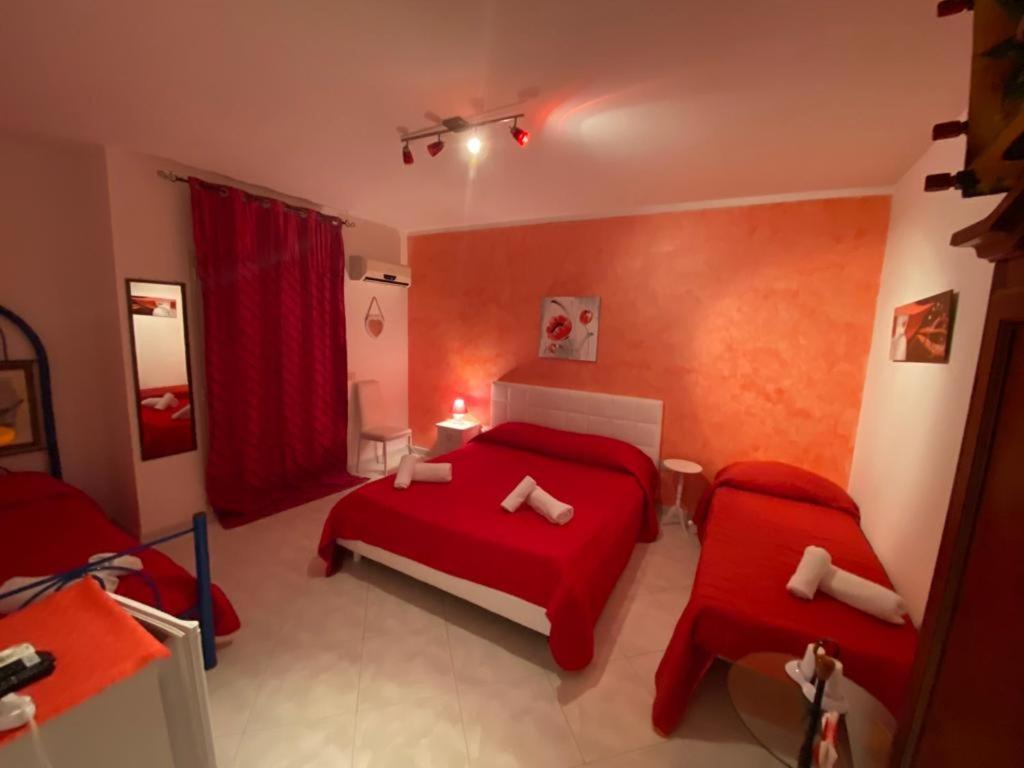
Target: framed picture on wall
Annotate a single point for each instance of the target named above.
(569, 326)
(922, 329)
(154, 306)
(19, 411)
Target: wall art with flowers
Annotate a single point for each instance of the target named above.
(568, 327)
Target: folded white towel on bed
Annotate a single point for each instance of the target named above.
(809, 573)
(404, 474)
(432, 473)
(162, 403)
(816, 571)
(184, 413)
(411, 469)
(864, 595)
(519, 494)
(108, 575)
(543, 503)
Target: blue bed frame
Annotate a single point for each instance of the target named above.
(203, 611)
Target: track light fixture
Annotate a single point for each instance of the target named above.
(522, 137)
(460, 125)
(434, 148)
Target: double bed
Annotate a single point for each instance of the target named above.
(596, 452)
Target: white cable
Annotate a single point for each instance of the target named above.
(37, 741)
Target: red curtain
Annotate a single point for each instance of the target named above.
(276, 365)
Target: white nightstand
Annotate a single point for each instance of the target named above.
(681, 468)
(455, 433)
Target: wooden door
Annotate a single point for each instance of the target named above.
(969, 676)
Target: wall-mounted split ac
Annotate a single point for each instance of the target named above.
(362, 268)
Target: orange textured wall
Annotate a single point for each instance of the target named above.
(752, 324)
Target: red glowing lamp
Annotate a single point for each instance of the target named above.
(459, 409)
(520, 135)
(406, 154)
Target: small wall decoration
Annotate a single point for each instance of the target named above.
(374, 320)
(19, 413)
(569, 327)
(921, 330)
(154, 306)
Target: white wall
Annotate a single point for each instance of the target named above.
(56, 271)
(386, 357)
(152, 236)
(912, 414)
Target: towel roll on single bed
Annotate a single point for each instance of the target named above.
(865, 595)
(809, 573)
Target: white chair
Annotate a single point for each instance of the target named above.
(373, 422)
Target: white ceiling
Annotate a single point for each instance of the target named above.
(631, 104)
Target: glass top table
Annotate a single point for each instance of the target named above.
(774, 710)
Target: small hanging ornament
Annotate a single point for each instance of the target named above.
(374, 320)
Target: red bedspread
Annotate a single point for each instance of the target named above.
(161, 433)
(460, 529)
(48, 526)
(751, 544)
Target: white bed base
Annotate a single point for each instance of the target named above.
(511, 607)
(635, 420)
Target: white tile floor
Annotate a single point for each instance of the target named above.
(372, 669)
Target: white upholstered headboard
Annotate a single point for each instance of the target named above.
(634, 420)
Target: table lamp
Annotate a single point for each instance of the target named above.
(459, 409)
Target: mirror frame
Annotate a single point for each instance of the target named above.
(135, 364)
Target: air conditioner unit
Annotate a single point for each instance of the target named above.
(362, 268)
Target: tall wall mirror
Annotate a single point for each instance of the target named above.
(158, 327)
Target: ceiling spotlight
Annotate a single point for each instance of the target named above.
(435, 147)
(473, 145)
(521, 136)
(406, 154)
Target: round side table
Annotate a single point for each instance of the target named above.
(681, 468)
(774, 710)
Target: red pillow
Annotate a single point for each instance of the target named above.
(776, 478)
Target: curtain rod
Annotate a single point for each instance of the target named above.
(172, 176)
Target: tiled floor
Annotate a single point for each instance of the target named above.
(372, 669)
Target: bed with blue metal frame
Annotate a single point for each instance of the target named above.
(203, 610)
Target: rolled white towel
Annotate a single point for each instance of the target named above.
(864, 595)
(184, 413)
(404, 474)
(432, 473)
(809, 573)
(162, 403)
(543, 503)
(515, 499)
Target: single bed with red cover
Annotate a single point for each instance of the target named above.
(754, 523)
(49, 527)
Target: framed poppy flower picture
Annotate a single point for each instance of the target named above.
(569, 326)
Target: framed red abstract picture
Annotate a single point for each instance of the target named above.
(921, 330)
(569, 326)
